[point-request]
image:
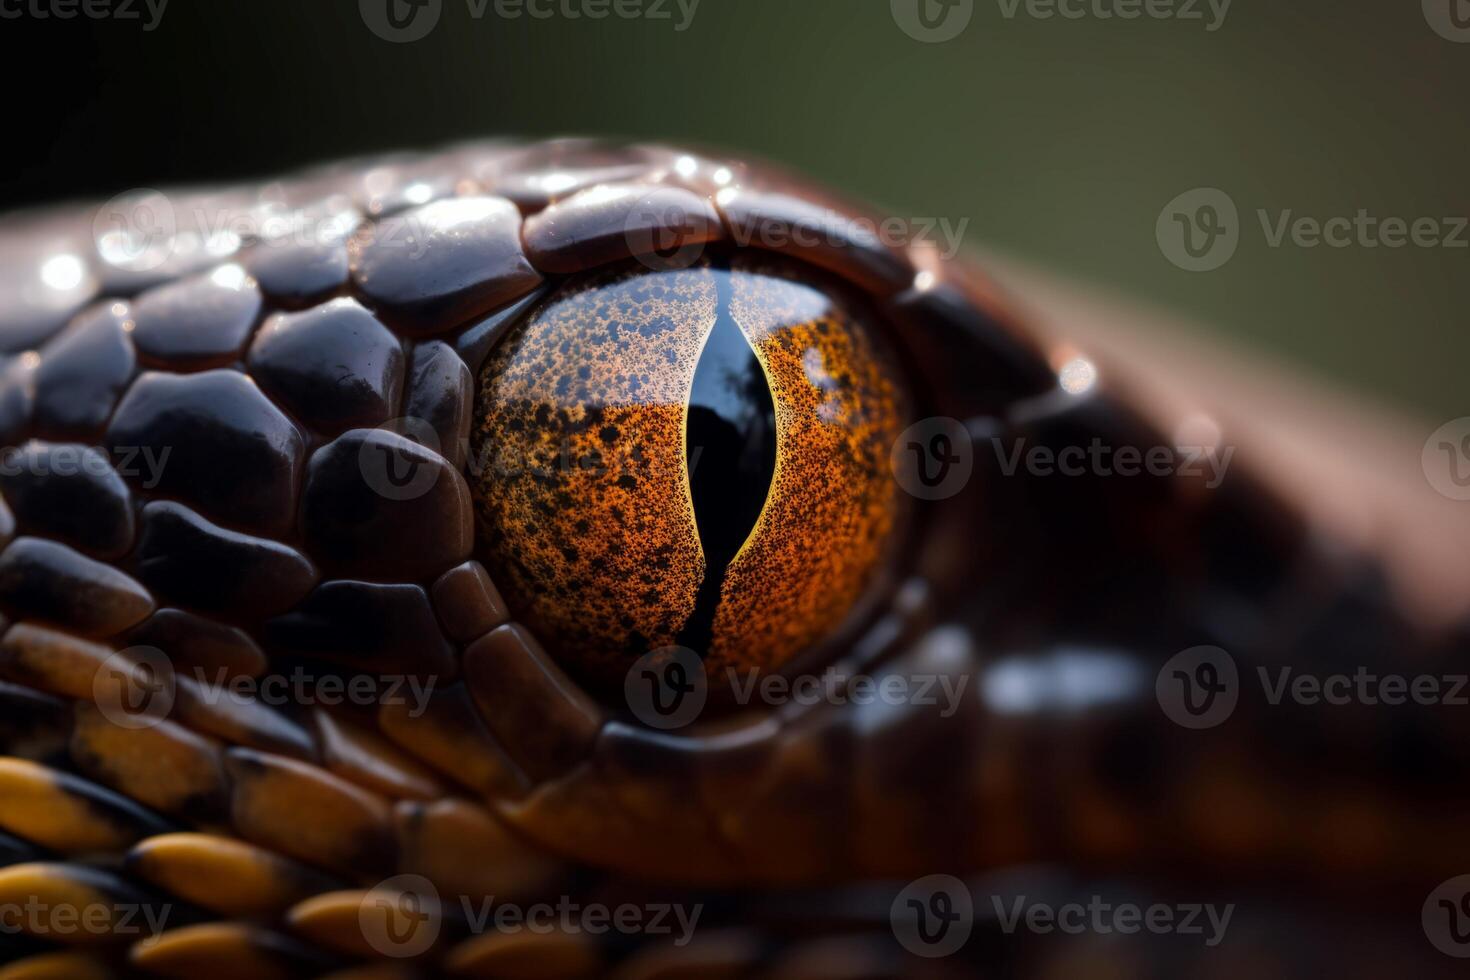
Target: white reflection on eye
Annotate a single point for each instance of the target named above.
(1069, 681)
(63, 272)
(555, 183)
(229, 276)
(1077, 376)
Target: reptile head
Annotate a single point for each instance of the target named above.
(481, 515)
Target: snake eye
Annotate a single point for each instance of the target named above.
(693, 457)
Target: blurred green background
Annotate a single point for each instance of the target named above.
(1060, 140)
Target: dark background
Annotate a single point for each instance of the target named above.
(1060, 140)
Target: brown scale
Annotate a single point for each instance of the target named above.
(225, 875)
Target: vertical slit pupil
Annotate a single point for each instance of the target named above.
(730, 450)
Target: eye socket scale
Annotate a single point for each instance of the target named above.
(695, 457)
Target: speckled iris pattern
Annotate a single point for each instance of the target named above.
(833, 500)
(582, 473)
